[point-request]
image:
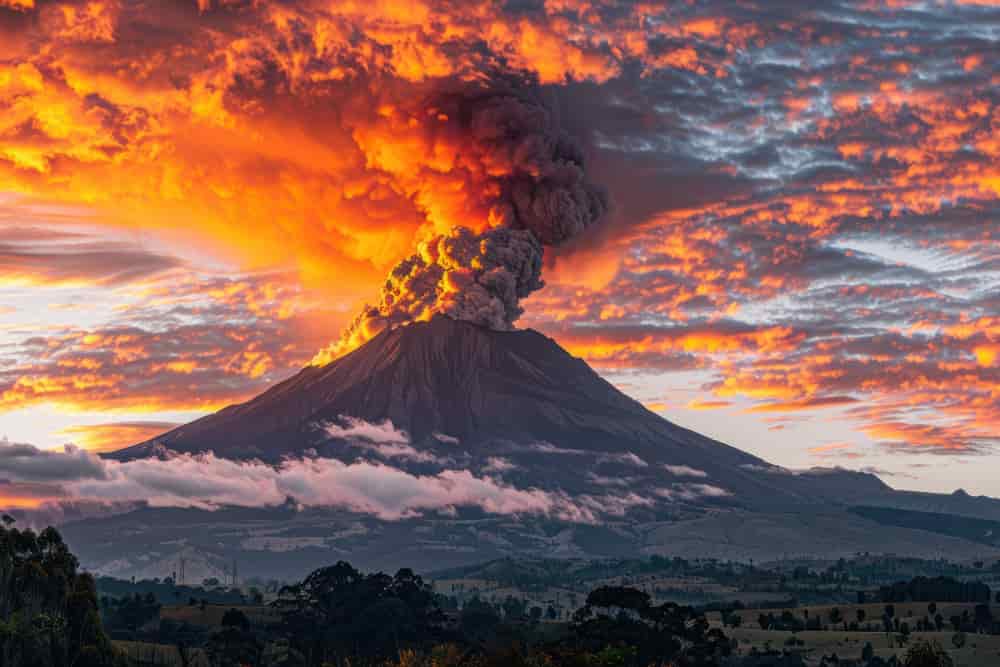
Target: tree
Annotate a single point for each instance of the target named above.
(835, 616)
(513, 607)
(234, 618)
(48, 611)
(983, 618)
(867, 653)
(927, 654)
(338, 612)
(234, 645)
(658, 634)
(130, 613)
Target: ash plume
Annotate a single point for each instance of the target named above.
(496, 171)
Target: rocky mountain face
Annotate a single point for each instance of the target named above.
(449, 395)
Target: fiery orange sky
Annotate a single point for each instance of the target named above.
(801, 255)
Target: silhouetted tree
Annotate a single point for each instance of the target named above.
(338, 612)
(616, 616)
(48, 611)
(927, 654)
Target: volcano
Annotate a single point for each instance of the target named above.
(515, 406)
(463, 392)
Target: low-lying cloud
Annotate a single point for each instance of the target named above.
(382, 439)
(684, 471)
(27, 463)
(692, 492)
(353, 428)
(207, 481)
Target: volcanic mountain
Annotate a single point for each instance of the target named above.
(447, 395)
(473, 394)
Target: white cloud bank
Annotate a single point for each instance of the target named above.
(207, 481)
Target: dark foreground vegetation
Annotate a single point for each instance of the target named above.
(341, 617)
(48, 610)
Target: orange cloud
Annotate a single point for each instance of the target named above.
(112, 436)
(700, 404)
(19, 5)
(310, 137)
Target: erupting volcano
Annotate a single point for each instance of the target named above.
(457, 401)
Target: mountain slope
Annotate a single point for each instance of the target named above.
(469, 393)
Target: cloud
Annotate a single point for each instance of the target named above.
(116, 435)
(684, 471)
(353, 428)
(74, 482)
(498, 464)
(382, 439)
(691, 492)
(836, 242)
(603, 480)
(195, 342)
(27, 463)
(99, 264)
(612, 504)
(206, 481)
(549, 448)
(628, 458)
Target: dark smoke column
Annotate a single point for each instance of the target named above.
(529, 177)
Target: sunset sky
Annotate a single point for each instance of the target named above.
(801, 255)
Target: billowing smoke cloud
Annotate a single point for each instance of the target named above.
(497, 163)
